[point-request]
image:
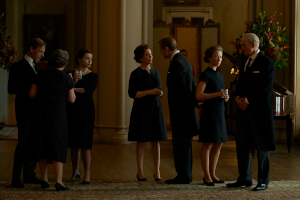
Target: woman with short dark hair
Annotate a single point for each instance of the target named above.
(146, 121)
(212, 124)
(81, 114)
(53, 89)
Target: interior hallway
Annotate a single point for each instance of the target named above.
(117, 163)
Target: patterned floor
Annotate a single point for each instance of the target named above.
(151, 190)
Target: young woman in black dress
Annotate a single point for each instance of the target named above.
(81, 115)
(146, 121)
(53, 89)
(212, 122)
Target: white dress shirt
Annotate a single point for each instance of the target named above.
(253, 58)
(176, 52)
(30, 61)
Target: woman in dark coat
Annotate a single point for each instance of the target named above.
(53, 89)
(212, 122)
(81, 114)
(146, 121)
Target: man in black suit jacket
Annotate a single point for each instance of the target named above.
(182, 101)
(255, 124)
(21, 77)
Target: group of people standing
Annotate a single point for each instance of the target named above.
(255, 126)
(58, 109)
(55, 111)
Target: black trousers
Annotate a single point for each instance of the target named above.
(21, 153)
(183, 155)
(247, 134)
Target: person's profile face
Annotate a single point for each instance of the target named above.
(147, 57)
(216, 58)
(86, 60)
(38, 53)
(163, 51)
(247, 47)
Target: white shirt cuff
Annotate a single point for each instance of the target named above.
(246, 100)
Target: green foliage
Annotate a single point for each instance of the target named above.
(7, 49)
(273, 39)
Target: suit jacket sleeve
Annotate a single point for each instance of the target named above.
(178, 80)
(261, 93)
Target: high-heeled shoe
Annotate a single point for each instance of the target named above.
(219, 181)
(208, 184)
(58, 187)
(76, 176)
(44, 185)
(157, 179)
(86, 182)
(144, 179)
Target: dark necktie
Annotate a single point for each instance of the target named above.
(248, 64)
(34, 65)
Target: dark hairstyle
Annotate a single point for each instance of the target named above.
(58, 59)
(81, 52)
(36, 42)
(210, 51)
(183, 50)
(169, 42)
(139, 52)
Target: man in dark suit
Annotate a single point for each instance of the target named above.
(21, 77)
(255, 124)
(182, 101)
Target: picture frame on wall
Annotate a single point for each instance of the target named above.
(50, 28)
(181, 2)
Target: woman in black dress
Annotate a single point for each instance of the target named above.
(81, 114)
(146, 121)
(212, 122)
(53, 89)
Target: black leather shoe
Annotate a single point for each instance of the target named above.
(219, 181)
(44, 185)
(260, 186)
(208, 184)
(238, 184)
(60, 187)
(144, 179)
(176, 181)
(32, 181)
(17, 184)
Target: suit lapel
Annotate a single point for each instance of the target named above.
(27, 68)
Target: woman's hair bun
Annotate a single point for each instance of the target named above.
(206, 59)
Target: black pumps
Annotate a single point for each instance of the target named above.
(208, 184)
(58, 187)
(144, 179)
(76, 176)
(44, 185)
(157, 179)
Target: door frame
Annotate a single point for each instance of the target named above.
(167, 10)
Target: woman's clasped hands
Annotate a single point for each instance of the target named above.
(156, 92)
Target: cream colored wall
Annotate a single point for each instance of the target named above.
(114, 30)
(162, 65)
(297, 61)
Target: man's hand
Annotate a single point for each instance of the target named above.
(241, 103)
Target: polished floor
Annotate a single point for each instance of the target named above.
(117, 163)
